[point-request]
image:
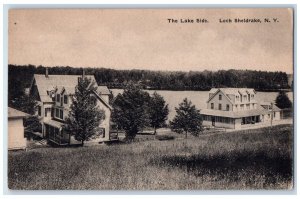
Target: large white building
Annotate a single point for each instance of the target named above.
(237, 108)
(53, 94)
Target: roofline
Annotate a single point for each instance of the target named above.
(216, 94)
(102, 100)
(62, 90)
(37, 88)
(18, 117)
(233, 116)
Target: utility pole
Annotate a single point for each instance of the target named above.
(272, 113)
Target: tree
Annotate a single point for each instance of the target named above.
(27, 104)
(282, 100)
(85, 116)
(32, 124)
(158, 111)
(187, 119)
(130, 111)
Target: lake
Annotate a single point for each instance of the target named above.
(199, 98)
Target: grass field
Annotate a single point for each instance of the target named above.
(253, 159)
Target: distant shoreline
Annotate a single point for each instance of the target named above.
(153, 89)
(158, 80)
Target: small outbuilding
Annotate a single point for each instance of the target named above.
(16, 135)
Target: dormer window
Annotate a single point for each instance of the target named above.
(58, 97)
(220, 97)
(65, 99)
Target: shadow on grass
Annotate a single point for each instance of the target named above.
(234, 166)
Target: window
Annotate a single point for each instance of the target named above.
(57, 113)
(220, 97)
(227, 107)
(247, 106)
(207, 117)
(52, 112)
(61, 114)
(103, 133)
(65, 99)
(242, 106)
(212, 105)
(58, 97)
(220, 106)
(46, 111)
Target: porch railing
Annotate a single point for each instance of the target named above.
(58, 139)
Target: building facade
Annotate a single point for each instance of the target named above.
(53, 94)
(16, 133)
(237, 108)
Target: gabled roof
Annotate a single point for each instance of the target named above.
(231, 91)
(68, 89)
(219, 90)
(14, 113)
(45, 84)
(275, 108)
(102, 100)
(103, 90)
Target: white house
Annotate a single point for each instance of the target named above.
(53, 94)
(237, 108)
(16, 136)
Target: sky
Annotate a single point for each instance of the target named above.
(144, 39)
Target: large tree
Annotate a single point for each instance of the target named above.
(85, 116)
(187, 119)
(26, 103)
(282, 100)
(130, 111)
(158, 111)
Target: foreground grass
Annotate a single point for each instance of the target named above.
(253, 159)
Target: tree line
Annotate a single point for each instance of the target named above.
(19, 77)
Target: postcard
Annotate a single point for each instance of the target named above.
(151, 99)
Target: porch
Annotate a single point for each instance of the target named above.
(55, 134)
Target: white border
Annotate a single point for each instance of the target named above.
(64, 3)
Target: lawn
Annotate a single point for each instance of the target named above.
(252, 159)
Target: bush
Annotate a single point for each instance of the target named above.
(165, 137)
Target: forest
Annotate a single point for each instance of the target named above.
(20, 77)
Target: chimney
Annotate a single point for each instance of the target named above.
(83, 73)
(47, 73)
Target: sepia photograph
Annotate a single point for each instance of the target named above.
(151, 99)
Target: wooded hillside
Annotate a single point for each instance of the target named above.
(19, 77)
